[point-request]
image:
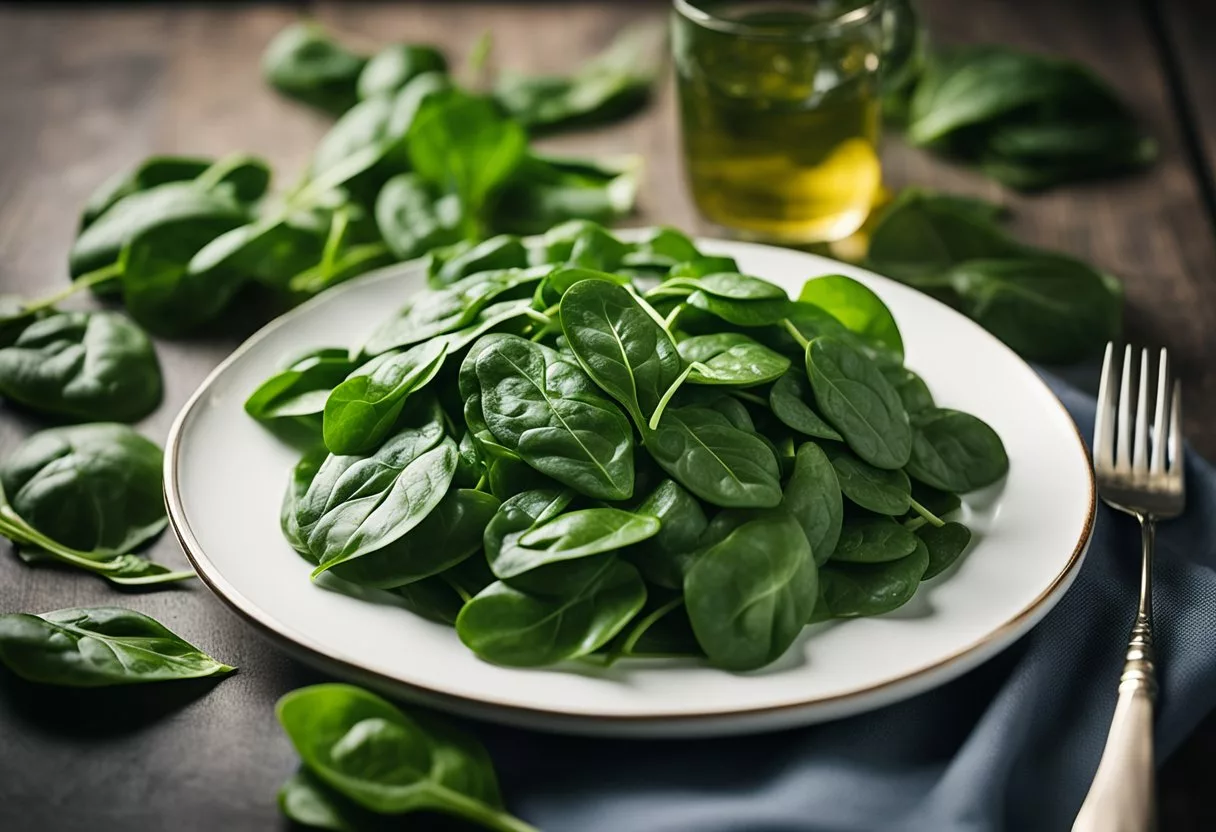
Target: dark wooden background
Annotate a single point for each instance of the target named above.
(87, 90)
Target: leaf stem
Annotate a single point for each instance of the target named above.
(674, 314)
(671, 391)
(931, 518)
(648, 622)
(793, 331)
(475, 810)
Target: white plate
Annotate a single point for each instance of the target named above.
(225, 477)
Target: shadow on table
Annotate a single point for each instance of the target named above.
(97, 712)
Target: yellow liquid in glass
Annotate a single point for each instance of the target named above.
(780, 138)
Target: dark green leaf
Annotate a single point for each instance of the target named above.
(612, 85)
(944, 544)
(812, 497)
(549, 412)
(97, 647)
(153, 171)
(715, 460)
(857, 307)
(547, 190)
(881, 490)
(298, 392)
(619, 344)
(509, 627)
(84, 366)
(749, 596)
(790, 401)
(568, 537)
(873, 539)
(1046, 308)
(95, 488)
(955, 451)
(304, 63)
(454, 263)
(912, 390)
(362, 410)
(855, 398)
(396, 65)
(357, 505)
(664, 559)
(732, 359)
(447, 535)
(370, 752)
(414, 217)
(848, 590)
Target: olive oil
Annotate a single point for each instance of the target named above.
(780, 117)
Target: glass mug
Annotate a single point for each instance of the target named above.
(780, 112)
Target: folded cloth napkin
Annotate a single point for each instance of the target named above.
(1012, 745)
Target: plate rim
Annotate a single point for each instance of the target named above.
(305, 647)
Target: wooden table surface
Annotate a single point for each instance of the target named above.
(88, 90)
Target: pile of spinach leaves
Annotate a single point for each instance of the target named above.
(576, 446)
(1029, 121)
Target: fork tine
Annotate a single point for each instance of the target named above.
(1123, 441)
(1177, 458)
(1160, 422)
(1140, 447)
(1104, 436)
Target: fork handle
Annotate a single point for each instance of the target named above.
(1121, 797)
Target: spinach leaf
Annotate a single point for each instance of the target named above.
(1029, 120)
(302, 475)
(857, 307)
(462, 144)
(550, 413)
(434, 598)
(547, 190)
(509, 627)
(596, 248)
(306, 799)
(944, 545)
(1046, 308)
(451, 532)
(812, 497)
(855, 398)
(567, 537)
(881, 490)
(449, 265)
(790, 399)
(664, 559)
(298, 391)
(873, 539)
(369, 143)
(357, 505)
(520, 513)
(713, 459)
(396, 65)
(304, 63)
(848, 590)
(362, 410)
(660, 249)
(414, 217)
(955, 451)
(98, 647)
(912, 390)
(441, 311)
(749, 596)
(731, 358)
(620, 345)
(553, 288)
(83, 366)
(96, 488)
(165, 288)
(703, 266)
(663, 632)
(383, 760)
(209, 201)
(612, 85)
(153, 171)
(940, 503)
(921, 235)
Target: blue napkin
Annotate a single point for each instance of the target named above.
(1011, 745)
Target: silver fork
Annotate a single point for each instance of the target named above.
(1144, 480)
